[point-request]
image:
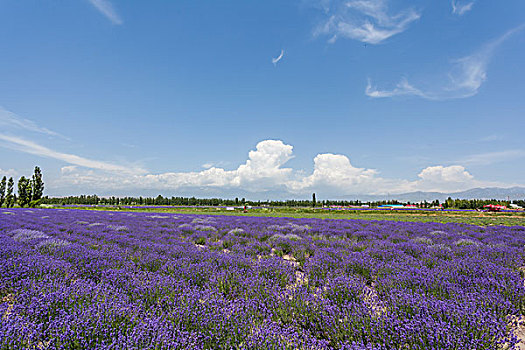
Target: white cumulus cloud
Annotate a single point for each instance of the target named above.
(450, 178)
(439, 174)
(262, 171)
(334, 172)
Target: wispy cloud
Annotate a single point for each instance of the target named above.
(491, 138)
(402, 88)
(470, 72)
(368, 21)
(10, 120)
(464, 79)
(278, 58)
(215, 164)
(460, 7)
(106, 8)
(26, 146)
(489, 158)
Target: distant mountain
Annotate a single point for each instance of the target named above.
(512, 193)
(492, 193)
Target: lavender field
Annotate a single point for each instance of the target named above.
(73, 279)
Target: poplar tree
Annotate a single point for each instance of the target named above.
(37, 184)
(9, 198)
(2, 190)
(24, 191)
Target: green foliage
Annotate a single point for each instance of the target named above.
(2, 190)
(30, 190)
(471, 203)
(227, 244)
(10, 198)
(24, 191)
(35, 203)
(200, 240)
(37, 184)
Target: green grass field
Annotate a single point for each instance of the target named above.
(467, 217)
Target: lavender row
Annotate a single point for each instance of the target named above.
(73, 279)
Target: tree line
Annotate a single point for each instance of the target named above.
(30, 190)
(193, 201)
(476, 203)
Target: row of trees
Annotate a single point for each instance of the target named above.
(473, 203)
(30, 190)
(192, 201)
(521, 203)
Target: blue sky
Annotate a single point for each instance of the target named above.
(263, 99)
